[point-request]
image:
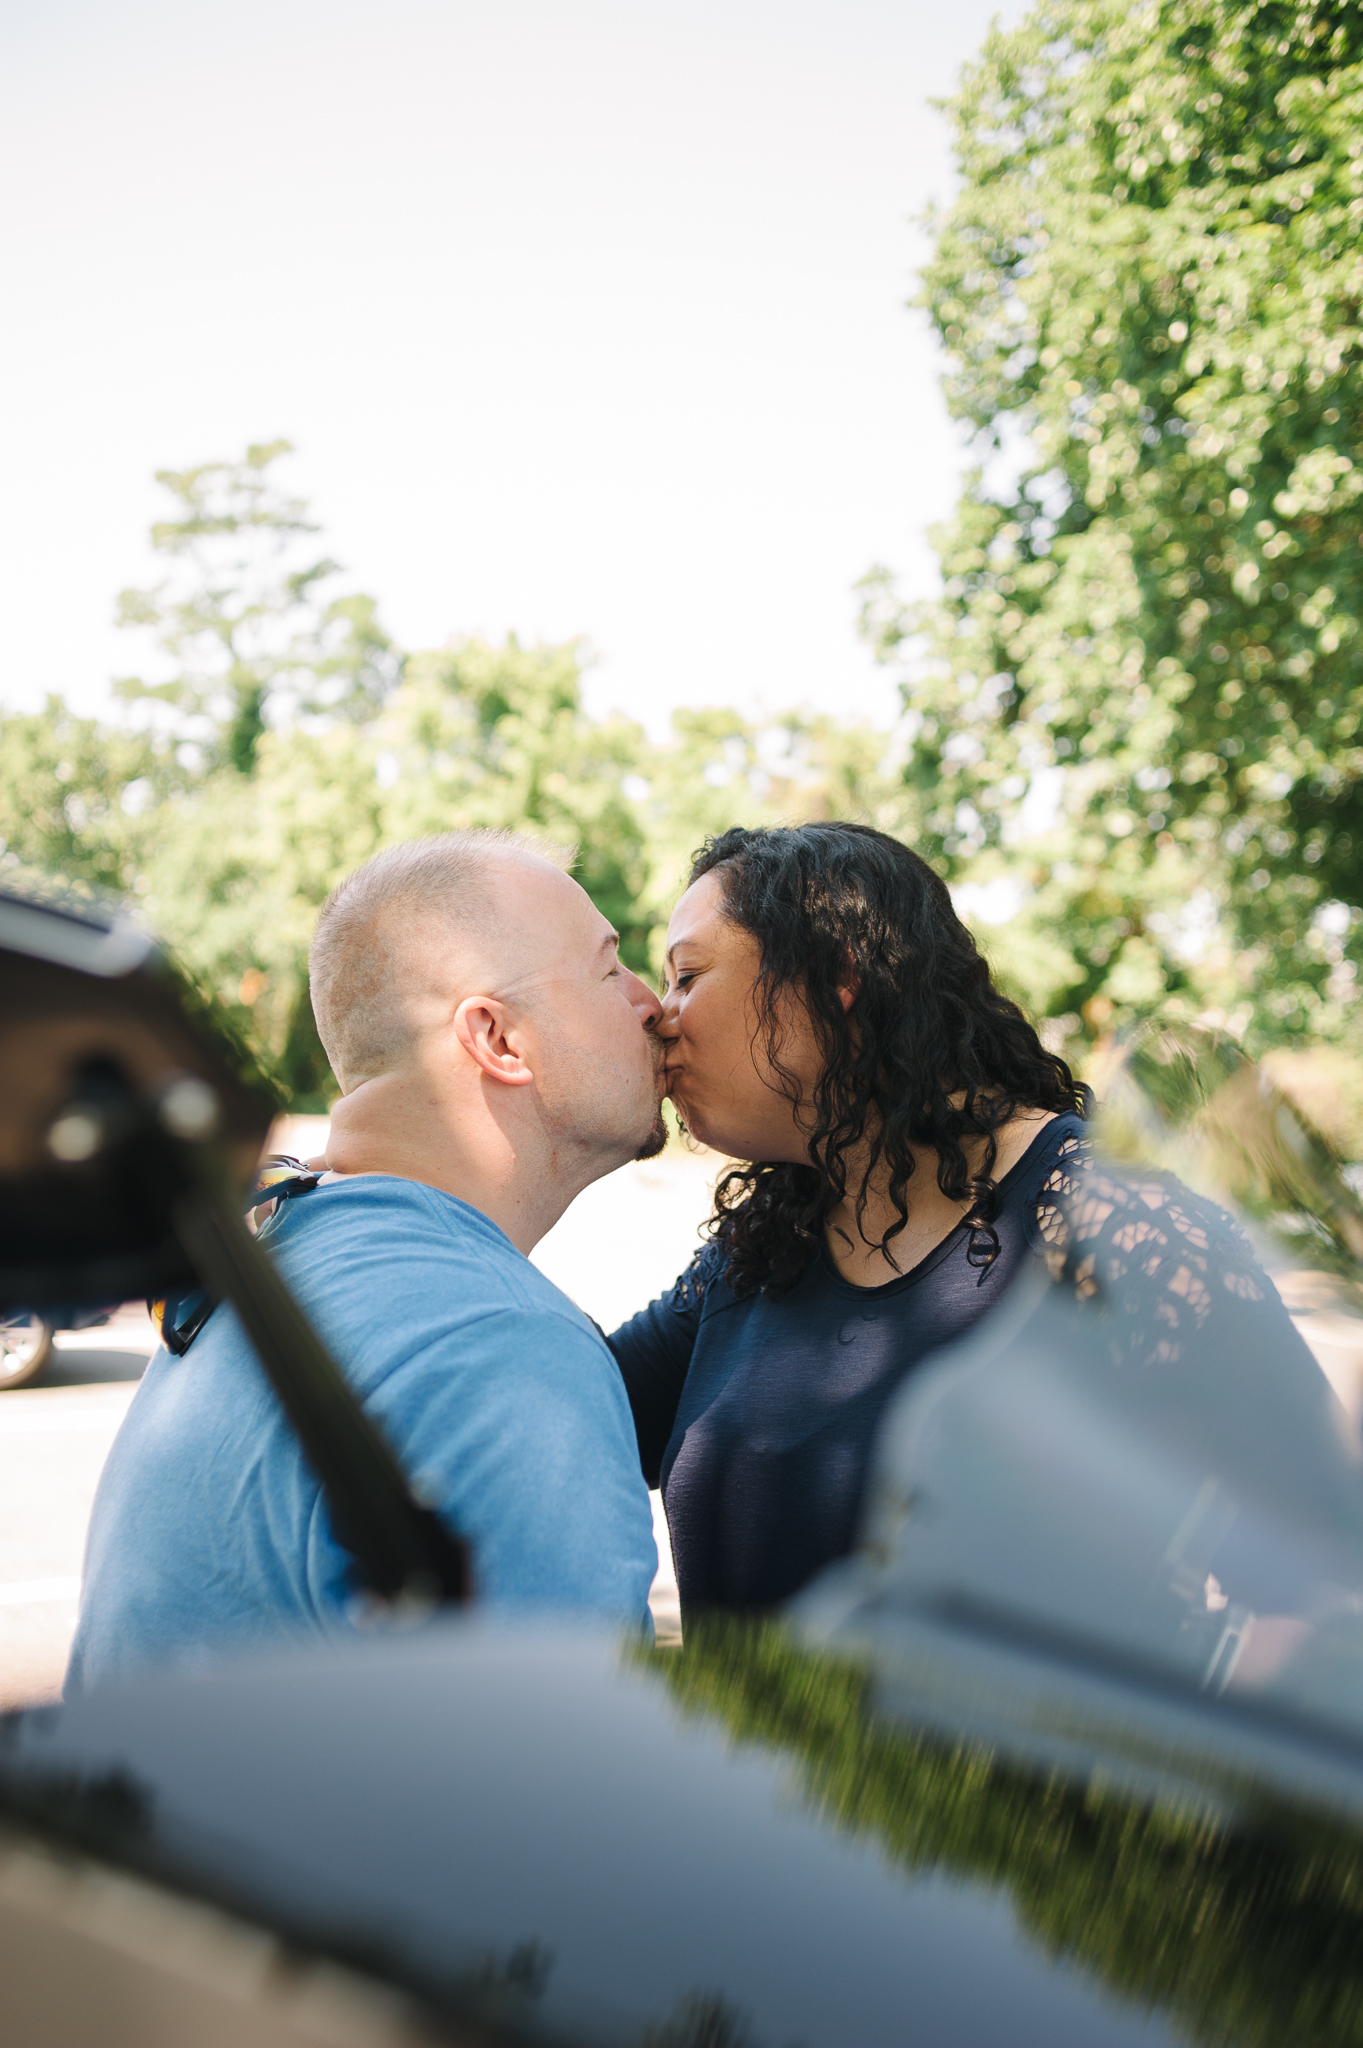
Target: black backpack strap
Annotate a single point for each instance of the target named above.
(180, 1317)
(279, 1178)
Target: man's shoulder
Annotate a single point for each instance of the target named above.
(379, 1195)
(398, 1248)
(408, 1218)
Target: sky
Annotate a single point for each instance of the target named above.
(586, 317)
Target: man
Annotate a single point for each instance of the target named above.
(494, 1057)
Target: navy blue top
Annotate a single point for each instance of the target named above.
(756, 1417)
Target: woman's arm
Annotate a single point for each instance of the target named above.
(653, 1351)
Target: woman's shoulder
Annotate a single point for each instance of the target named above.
(1067, 1136)
(1141, 1241)
(693, 1285)
(1049, 1171)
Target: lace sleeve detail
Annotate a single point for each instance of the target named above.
(1158, 1260)
(1061, 1182)
(707, 1266)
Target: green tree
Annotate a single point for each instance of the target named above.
(719, 769)
(245, 621)
(73, 795)
(235, 867)
(484, 735)
(232, 868)
(295, 741)
(1143, 686)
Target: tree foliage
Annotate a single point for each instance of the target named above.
(243, 619)
(720, 769)
(499, 736)
(293, 740)
(71, 791)
(233, 868)
(1143, 687)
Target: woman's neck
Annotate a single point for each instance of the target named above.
(855, 1248)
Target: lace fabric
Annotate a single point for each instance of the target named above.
(707, 1266)
(1155, 1258)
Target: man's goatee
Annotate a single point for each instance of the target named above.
(656, 1139)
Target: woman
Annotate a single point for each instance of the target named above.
(829, 1018)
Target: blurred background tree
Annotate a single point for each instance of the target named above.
(289, 739)
(71, 792)
(1132, 719)
(246, 629)
(498, 736)
(719, 769)
(234, 868)
(1140, 695)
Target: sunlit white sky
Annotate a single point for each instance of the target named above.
(586, 316)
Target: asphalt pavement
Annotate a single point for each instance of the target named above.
(54, 1438)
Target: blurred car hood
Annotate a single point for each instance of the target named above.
(569, 1840)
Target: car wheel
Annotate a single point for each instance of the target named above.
(25, 1347)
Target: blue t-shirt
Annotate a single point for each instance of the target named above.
(497, 1395)
(757, 1416)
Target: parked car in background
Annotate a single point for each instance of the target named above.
(26, 1339)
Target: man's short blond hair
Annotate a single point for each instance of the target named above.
(368, 969)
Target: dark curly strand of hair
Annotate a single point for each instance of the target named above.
(834, 904)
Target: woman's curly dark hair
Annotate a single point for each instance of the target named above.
(836, 903)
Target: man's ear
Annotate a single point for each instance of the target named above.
(490, 1039)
